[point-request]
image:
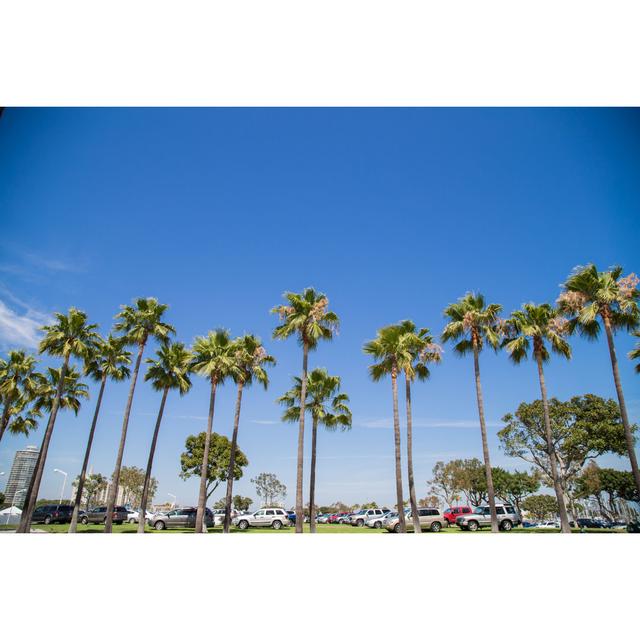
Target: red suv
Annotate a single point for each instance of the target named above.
(333, 519)
(452, 513)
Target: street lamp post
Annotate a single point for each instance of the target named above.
(64, 483)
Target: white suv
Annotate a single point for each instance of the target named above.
(273, 517)
(359, 519)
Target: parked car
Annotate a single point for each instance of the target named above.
(275, 518)
(290, 514)
(183, 517)
(588, 523)
(335, 518)
(378, 522)
(452, 513)
(480, 517)
(549, 524)
(359, 519)
(430, 519)
(218, 516)
(323, 518)
(98, 515)
(344, 518)
(132, 516)
(52, 513)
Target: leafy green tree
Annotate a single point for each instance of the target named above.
(389, 351)
(218, 455)
(634, 354)
(474, 324)
(582, 428)
(71, 336)
(137, 322)
(307, 317)
(591, 296)
(471, 479)
(327, 406)
(170, 370)
(269, 488)
(420, 351)
(251, 359)
(444, 481)
(536, 326)
(242, 503)
(430, 501)
(19, 382)
(213, 358)
(515, 486)
(541, 506)
(108, 359)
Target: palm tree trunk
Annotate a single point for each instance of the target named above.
(115, 478)
(34, 485)
(147, 475)
(303, 401)
(83, 474)
(485, 446)
(204, 469)
(412, 488)
(4, 421)
(312, 479)
(396, 437)
(562, 507)
(226, 524)
(623, 407)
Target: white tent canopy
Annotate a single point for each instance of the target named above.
(10, 515)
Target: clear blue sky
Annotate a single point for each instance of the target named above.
(394, 213)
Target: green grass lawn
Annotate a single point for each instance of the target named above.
(322, 528)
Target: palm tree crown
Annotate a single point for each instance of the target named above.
(474, 322)
(251, 358)
(589, 293)
(537, 325)
(143, 319)
(72, 391)
(214, 356)
(171, 368)
(326, 405)
(69, 336)
(306, 316)
(18, 377)
(108, 359)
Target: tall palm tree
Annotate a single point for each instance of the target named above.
(389, 352)
(327, 406)
(535, 325)
(475, 324)
(634, 354)
(419, 350)
(108, 360)
(138, 323)
(70, 336)
(213, 358)
(170, 371)
(306, 316)
(251, 358)
(18, 386)
(589, 296)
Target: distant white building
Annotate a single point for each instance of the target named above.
(24, 464)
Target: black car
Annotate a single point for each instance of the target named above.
(588, 523)
(50, 513)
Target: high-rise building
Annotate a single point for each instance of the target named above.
(24, 464)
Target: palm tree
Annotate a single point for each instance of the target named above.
(535, 325)
(419, 349)
(251, 358)
(138, 323)
(389, 352)
(170, 371)
(214, 358)
(70, 336)
(307, 317)
(109, 360)
(590, 295)
(476, 324)
(18, 386)
(327, 406)
(634, 354)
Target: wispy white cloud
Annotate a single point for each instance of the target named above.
(387, 423)
(51, 264)
(21, 329)
(265, 421)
